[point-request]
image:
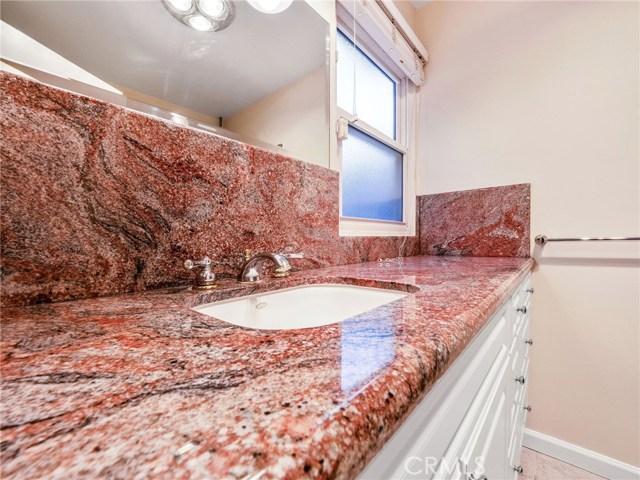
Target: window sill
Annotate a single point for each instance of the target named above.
(353, 227)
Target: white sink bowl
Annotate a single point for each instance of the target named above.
(299, 307)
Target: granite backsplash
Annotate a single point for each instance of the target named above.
(485, 222)
(100, 200)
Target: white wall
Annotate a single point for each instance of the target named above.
(408, 11)
(303, 122)
(548, 93)
(294, 116)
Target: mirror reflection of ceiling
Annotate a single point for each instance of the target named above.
(141, 46)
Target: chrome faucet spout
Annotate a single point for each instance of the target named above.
(252, 267)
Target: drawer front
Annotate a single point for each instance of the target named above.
(521, 303)
(517, 392)
(516, 296)
(520, 350)
(484, 452)
(522, 293)
(518, 361)
(482, 434)
(519, 398)
(517, 432)
(519, 367)
(494, 362)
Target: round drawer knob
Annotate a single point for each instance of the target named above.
(530, 290)
(529, 342)
(519, 469)
(520, 380)
(527, 408)
(522, 309)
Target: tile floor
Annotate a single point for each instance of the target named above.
(541, 467)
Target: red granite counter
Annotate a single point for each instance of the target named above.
(140, 386)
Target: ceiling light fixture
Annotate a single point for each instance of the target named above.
(270, 6)
(202, 15)
(211, 8)
(181, 5)
(200, 23)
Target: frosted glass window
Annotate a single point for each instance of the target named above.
(371, 178)
(375, 90)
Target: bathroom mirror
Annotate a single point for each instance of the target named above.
(262, 80)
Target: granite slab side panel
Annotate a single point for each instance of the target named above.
(487, 222)
(99, 200)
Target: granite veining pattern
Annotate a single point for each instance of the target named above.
(100, 200)
(486, 222)
(140, 386)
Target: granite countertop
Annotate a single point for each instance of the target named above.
(140, 386)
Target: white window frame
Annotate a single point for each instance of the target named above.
(405, 98)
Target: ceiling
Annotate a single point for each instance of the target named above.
(139, 45)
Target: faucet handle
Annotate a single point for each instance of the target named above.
(293, 255)
(205, 277)
(189, 264)
(248, 253)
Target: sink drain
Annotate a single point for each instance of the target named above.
(261, 305)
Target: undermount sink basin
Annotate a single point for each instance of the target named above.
(300, 307)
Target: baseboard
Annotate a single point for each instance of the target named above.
(580, 457)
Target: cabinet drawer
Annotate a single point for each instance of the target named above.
(521, 303)
(522, 294)
(521, 388)
(517, 432)
(482, 429)
(520, 319)
(519, 350)
(517, 399)
(526, 286)
(484, 452)
(524, 331)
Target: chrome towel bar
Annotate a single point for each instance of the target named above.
(542, 239)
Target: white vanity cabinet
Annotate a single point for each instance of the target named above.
(470, 425)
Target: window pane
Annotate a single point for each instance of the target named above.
(371, 178)
(375, 90)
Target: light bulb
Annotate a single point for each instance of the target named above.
(270, 6)
(200, 23)
(181, 5)
(211, 8)
(202, 15)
